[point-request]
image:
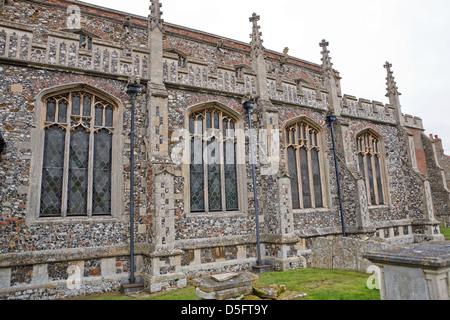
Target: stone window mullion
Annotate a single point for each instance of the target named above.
(85, 180)
(91, 156)
(370, 166)
(302, 139)
(219, 180)
(66, 159)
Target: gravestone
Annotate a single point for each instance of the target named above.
(225, 286)
(245, 286)
(415, 272)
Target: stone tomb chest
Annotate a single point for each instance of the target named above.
(415, 272)
(225, 286)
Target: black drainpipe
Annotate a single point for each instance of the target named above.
(331, 119)
(2, 145)
(133, 90)
(249, 107)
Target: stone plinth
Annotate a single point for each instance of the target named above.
(415, 272)
(226, 286)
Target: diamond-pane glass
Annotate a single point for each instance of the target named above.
(216, 120)
(51, 110)
(208, 119)
(306, 189)
(370, 162)
(214, 188)
(231, 192)
(379, 182)
(303, 156)
(78, 172)
(98, 115)
(214, 179)
(292, 165)
(52, 172)
(197, 181)
(62, 111)
(371, 181)
(87, 105)
(109, 117)
(316, 178)
(102, 173)
(76, 104)
(361, 165)
(191, 125)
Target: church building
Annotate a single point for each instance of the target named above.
(127, 136)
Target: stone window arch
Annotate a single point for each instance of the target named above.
(214, 145)
(77, 148)
(369, 150)
(304, 151)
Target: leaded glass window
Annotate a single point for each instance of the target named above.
(77, 158)
(213, 169)
(368, 147)
(303, 160)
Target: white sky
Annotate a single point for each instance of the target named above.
(413, 35)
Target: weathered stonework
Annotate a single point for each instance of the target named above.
(182, 71)
(343, 253)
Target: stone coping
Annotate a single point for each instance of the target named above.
(432, 254)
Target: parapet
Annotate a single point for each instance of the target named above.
(367, 109)
(62, 49)
(413, 122)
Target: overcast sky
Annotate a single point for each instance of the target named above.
(413, 35)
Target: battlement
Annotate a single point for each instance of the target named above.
(367, 109)
(65, 49)
(413, 122)
(289, 80)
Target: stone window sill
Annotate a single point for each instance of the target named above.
(220, 214)
(67, 220)
(310, 210)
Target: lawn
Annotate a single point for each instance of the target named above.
(446, 233)
(318, 284)
(324, 284)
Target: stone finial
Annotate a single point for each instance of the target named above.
(327, 66)
(392, 89)
(255, 18)
(155, 19)
(257, 47)
(393, 94)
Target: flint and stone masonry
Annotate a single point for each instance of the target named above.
(65, 160)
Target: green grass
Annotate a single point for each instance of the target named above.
(446, 233)
(318, 284)
(324, 284)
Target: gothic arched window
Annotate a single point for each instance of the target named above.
(213, 162)
(369, 151)
(303, 148)
(77, 157)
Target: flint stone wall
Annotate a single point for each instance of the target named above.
(343, 253)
